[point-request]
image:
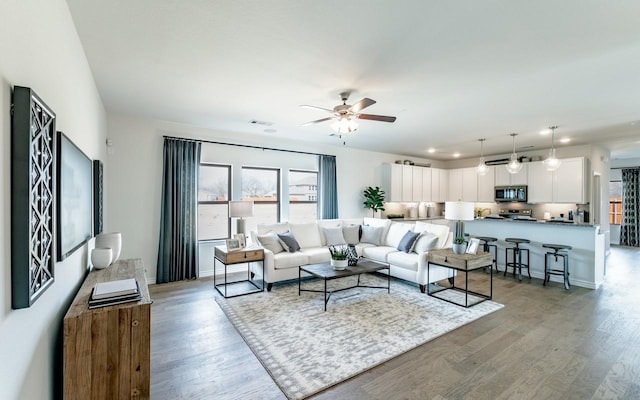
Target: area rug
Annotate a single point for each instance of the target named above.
(306, 350)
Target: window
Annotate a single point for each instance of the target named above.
(214, 186)
(615, 202)
(303, 196)
(262, 185)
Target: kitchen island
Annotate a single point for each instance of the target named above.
(586, 259)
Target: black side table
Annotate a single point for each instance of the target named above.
(242, 256)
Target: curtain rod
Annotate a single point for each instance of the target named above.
(624, 167)
(246, 146)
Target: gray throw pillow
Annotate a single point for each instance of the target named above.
(334, 236)
(425, 242)
(351, 234)
(289, 242)
(407, 241)
(270, 241)
(371, 234)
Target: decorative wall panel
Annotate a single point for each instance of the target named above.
(97, 197)
(33, 150)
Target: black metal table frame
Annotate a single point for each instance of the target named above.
(327, 294)
(227, 283)
(465, 290)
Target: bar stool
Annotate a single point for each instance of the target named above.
(517, 252)
(490, 243)
(559, 250)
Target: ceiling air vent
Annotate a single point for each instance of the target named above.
(258, 122)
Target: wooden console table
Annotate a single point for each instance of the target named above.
(107, 350)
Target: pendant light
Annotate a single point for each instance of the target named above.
(552, 163)
(482, 168)
(514, 166)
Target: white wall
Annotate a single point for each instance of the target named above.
(40, 49)
(135, 179)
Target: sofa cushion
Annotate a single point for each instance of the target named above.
(351, 221)
(425, 242)
(327, 223)
(290, 260)
(407, 241)
(351, 234)
(361, 246)
(396, 232)
(289, 242)
(403, 260)
(280, 227)
(270, 241)
(372, 234)
(441, 231)
(317, 255)
(378, 253)
(333, 236)
(308, 235)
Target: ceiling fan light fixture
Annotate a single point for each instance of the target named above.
(552, 163)
(514, 166)
(345, 124)
(482, 168)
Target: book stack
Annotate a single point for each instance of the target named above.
(114, 292)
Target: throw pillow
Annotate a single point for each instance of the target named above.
(371, 234)
(334, 236)
(351, 234)
(270, 241)
(427, 241)
(407, 241)
(289, 242)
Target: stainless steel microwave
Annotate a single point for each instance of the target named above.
(511, 193)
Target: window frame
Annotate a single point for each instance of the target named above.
(278, 201)
(615, 207)
(229, 186)
(290, 202)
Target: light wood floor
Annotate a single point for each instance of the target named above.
(546, 343)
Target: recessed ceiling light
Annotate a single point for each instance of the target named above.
(431, 150)
(545, 131)
(456, 154)
(270, 130)
(565, 140)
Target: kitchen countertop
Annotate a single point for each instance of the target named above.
(538, 221)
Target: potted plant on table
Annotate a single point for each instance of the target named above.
(374, 199)
(459, 247)
(339, 256)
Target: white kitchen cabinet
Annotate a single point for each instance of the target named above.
(416, 185)
(504, 178)
(407, 182)
(569, 184)
(427, 193)
(392, 181)
(486, 184)
(443, 184)
(435, 184)
(469, 184)
(455, 184)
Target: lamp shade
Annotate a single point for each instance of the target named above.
(240, 209)
(458, 211)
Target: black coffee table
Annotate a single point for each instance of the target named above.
(326, 272)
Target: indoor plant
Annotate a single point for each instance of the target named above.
(374, 199)
(459, 246)
(339, 257)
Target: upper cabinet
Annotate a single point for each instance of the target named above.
(392, 181)
(504, 178)
(569, 184)
(486, 184)
(463, 184)
(408, 183)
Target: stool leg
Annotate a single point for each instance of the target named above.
(506, 260)
(528, 257)
(519, 264)
(567, 285)
(546, 274)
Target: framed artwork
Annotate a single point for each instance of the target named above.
(97, 197)
(233, 244)
(242, 239)
(33, 178)
(472, 248)
(75, 197)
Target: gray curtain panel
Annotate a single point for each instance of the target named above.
(629, 228)
(327, 188)
(178, 248)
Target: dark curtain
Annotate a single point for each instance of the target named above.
(327, 188)
(629, 228)
(178, 248)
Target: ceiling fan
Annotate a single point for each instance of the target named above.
(345, 115)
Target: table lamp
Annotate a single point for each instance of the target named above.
(240, 209)
(458, 211)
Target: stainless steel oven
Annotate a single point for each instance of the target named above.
(511, 193)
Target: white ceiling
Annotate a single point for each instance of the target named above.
(451, 71)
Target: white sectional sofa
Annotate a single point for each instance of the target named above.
(314, 238)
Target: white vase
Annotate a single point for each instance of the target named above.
(101, 257)
(339, 264)
(112, 241)
(459, 248)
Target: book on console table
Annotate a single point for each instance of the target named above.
(110, 289)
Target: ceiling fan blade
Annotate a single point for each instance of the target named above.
(372, 117)
(362, 104)
(316, 108)
(317, 121)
